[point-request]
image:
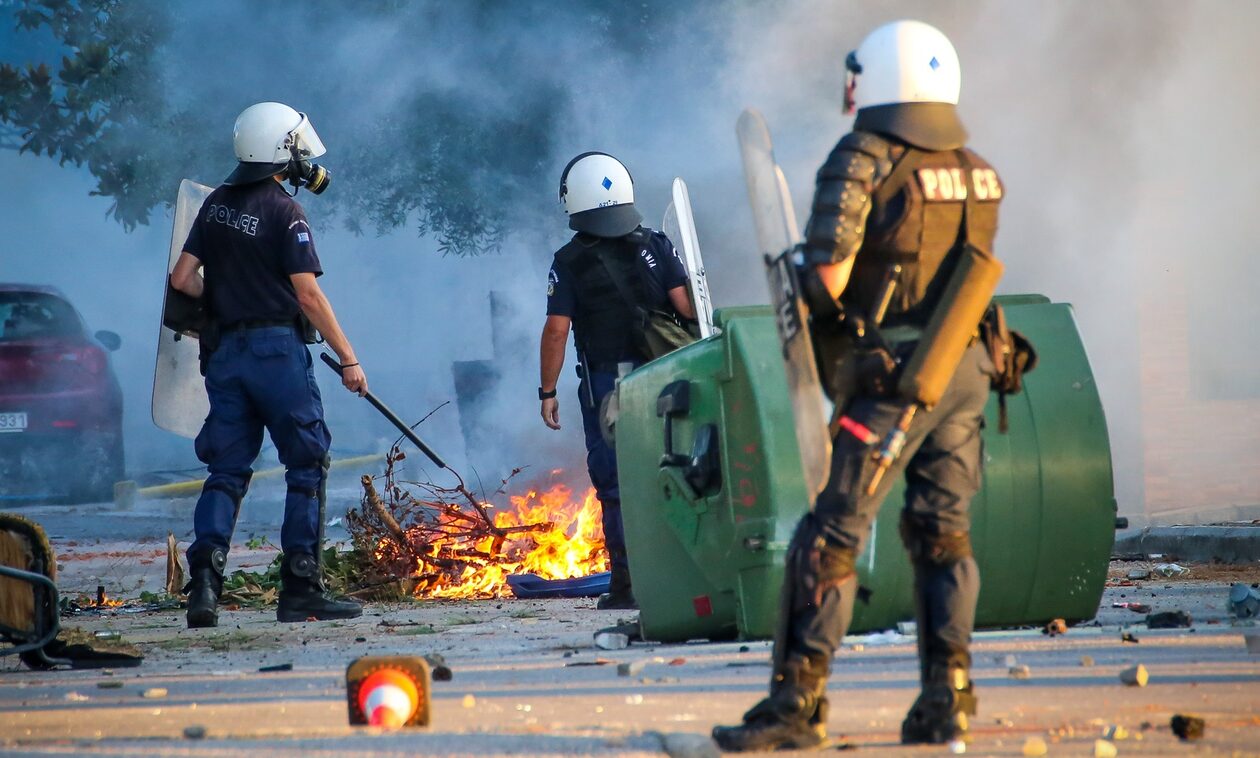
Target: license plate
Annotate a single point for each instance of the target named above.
(12, 422)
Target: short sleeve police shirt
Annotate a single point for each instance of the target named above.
(250, 240)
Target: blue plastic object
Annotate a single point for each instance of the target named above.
(533, 586)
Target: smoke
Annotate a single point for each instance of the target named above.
(1118, 129)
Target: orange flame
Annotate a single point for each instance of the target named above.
(572, 547)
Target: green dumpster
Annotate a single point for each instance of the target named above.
(711, 488)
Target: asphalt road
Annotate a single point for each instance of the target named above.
(517, 691)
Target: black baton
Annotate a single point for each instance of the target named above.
(387, 413)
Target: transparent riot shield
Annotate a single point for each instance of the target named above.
(777, 233)
(180, 403)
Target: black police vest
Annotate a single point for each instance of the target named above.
(920, 227)
(604, 323)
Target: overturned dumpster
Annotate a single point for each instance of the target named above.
(712, 488)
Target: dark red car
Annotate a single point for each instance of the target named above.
(60, 403)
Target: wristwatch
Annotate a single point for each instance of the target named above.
(545, 395)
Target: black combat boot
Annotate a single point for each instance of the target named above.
(205, 584)
(940, 715)
(619, 596)
(302, 593)
(793, 717)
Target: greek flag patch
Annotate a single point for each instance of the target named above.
(303, 238)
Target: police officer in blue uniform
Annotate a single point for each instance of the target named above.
(600, 284)
(252, 240)
(901, 189)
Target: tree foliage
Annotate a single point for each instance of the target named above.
(442, 156)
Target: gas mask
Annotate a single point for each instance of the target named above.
(303, 144)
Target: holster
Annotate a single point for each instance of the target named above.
(307, 331)
(209, 339)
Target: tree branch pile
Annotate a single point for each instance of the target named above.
(416, 537)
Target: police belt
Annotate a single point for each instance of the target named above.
(257, 323)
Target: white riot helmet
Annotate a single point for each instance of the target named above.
(904, 80)
(598, 195)
(903, 62)
(272, 138)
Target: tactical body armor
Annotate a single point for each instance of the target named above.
(605, 323)
(918, 226)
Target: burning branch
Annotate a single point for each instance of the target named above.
(448, 541)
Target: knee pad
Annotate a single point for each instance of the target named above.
(926, 545)
(235, 492)
(815, 565)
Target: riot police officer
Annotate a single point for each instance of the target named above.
(252, 240)
(900, 189)
(601, 283)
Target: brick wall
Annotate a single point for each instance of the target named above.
(1200, 455)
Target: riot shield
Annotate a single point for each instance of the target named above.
(680, 227)
(777, 233)
(180, 404)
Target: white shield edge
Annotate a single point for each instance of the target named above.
(777, 231)
(680, 226)
(180, 403)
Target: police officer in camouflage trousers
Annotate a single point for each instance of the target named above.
(260, 267)
(893, 191)
(599, 283)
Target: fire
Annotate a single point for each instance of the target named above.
(572, 547)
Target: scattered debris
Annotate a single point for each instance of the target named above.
(1135, 607)
(110, 684)
(1129, 637)
(108, 635)
(438, 668)
(1170, 569)
(1169, 620)
(1087, 660)
(275, 668)
(1135, 676)
(631, 668)
(1244, 601)
(195, 732)
(75, 697)
(1104, 749)
(1115, 732)
(1055, 628)
(174, 568)
(958, 747)
(744, 648)
(635, 699)
(596, 662)
(1035, 746)
(469, 701)
(688, 745)
(677, 661)
(154, 693)
(611, 641)
(1188, 727)
(1019, 672)
(1139, 574)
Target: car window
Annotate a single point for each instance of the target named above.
(29, 315)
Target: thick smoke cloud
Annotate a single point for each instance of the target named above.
(1120, 131)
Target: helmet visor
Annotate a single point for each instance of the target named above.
(305, 140)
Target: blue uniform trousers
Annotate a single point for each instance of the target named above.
(601, 464)
(261, 378)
